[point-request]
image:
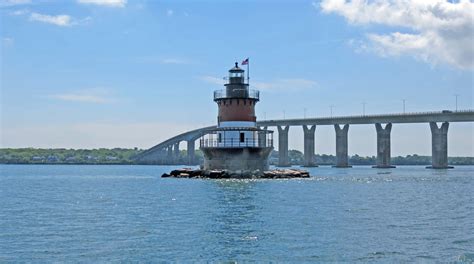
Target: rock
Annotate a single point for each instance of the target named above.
(246, 174)
(215, 174)
(196, 173)
(239, 174)
(226, 175)
(257, 173)
(174, 173)
(233, 175)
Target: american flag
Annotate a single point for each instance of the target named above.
(245, 62)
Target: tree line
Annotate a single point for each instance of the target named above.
(125, 156)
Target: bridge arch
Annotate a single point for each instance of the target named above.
(167, 151)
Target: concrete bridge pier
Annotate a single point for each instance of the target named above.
(283, 160)
(342, 159)
(191, 149)
(161, 159)
(176, 152)
(169, 155)
(439, 146)
(308, 133)
(383, 146)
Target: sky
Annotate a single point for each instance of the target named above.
(118, 73)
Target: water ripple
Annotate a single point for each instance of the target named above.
(130, 214)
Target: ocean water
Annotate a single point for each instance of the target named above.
(56, 213)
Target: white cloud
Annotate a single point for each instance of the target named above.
(20, 12)
(97, 96)
(438, 31)
(80, 98)
(59, 20)
(7, 42)
(286, 84)
(162, 60)
(107, 3)
(175, 61)
(4, 3)
(213, 80)
(169, 12)
(140, 6)
(96, 134)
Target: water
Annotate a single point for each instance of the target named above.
(124, 213)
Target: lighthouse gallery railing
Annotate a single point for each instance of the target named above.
(236, 143)
(237, 93)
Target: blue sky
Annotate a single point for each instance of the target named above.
(97, 73)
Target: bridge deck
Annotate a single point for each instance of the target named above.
(426, 117)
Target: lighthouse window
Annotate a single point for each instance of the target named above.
(235, 74)
(242, 137)
(220, 137)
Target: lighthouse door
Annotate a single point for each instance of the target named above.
(242, 137)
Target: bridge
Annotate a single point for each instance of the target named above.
(168, 151)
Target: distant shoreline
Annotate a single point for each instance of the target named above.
(123, 156)
(187, 165)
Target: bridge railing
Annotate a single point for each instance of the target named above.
(386, 115)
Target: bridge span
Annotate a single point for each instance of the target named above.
(167, 152)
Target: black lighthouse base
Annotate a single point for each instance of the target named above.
(236, 159)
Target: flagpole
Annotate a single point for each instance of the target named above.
(248, 71)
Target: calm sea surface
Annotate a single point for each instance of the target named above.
(128, 213)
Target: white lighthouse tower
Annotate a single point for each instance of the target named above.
(237, 143)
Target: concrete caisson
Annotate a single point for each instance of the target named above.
(234, 159)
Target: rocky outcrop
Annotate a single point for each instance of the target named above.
(239, 174)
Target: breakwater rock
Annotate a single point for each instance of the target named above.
(240, 174)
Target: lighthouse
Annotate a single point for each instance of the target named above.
(237, 143)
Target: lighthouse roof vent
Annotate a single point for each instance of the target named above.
(236, 68)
